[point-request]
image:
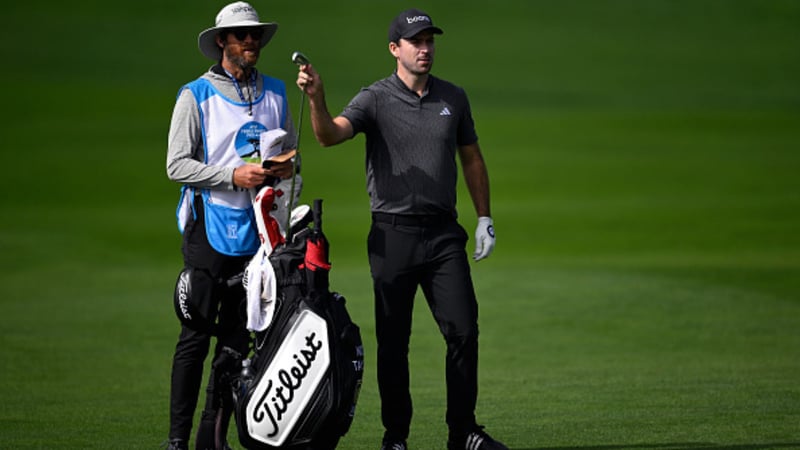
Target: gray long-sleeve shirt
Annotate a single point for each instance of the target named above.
(185, 143)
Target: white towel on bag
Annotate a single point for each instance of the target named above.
(259, 275)
(260, 286)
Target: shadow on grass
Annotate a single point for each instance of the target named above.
(675, 446)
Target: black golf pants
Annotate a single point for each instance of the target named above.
(219, 301)
(428, 253)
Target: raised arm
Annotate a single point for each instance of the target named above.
(328, 130)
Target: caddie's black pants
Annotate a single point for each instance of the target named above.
(220, 301)
(406, 252)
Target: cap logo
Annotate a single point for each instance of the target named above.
(243, 8)
(236, 11)
(416, 19)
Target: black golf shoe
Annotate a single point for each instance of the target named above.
(394, 445)
(475, 440)
(177, 444)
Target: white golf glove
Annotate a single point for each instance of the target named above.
(484, 238)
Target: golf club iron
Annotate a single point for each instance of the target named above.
(301, 60)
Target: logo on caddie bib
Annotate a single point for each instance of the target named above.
(248, 140)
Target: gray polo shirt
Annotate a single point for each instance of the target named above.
(411, 144)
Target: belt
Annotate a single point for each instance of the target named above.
(412, 220)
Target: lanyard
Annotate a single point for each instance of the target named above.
(239, 89)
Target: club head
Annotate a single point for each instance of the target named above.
(301, 216)
(300, 59)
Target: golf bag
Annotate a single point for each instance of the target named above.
(299, 388)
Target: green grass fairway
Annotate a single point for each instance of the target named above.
(645, 167)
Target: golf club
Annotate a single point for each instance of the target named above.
(301, 60)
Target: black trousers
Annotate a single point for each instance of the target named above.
(404, 254)
(220, 301)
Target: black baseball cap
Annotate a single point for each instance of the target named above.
(410, 22)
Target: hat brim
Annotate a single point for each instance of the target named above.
(417, 30)
(206, 41)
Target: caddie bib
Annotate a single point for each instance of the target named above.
(230, 136)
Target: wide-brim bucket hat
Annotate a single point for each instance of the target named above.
(234, 15)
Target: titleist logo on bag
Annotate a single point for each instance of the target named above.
(290, 381)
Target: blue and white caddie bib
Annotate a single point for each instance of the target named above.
(230, 137)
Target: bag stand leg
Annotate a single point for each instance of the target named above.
(212, 431)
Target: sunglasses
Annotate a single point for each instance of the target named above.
(241, 33)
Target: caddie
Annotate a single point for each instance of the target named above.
(213, 136)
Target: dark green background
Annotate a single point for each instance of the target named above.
(644, 159)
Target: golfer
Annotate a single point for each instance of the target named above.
(415, 125)
(216, 124)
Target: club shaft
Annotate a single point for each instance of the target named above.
(294, 167)
(299, 59)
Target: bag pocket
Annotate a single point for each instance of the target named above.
(230, 231)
